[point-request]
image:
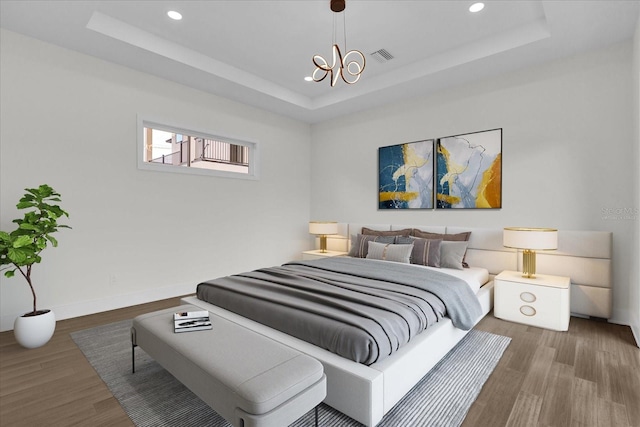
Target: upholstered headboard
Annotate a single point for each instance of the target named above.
(584, 256)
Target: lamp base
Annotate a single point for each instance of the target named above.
(323, 243)
(529, 264)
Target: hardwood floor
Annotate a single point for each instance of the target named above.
(588, 376)
(55, 385)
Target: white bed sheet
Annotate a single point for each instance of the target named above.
(474, 276)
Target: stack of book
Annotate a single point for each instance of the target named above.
(187, 321)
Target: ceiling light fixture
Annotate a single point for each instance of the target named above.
(350, 66)
(476, 7)
(174, 15)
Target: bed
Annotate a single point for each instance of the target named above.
(358, 308)
(367, 392)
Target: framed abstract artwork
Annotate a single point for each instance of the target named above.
(405, 175)
(469, 171)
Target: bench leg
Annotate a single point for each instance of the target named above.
(133, 358)
(133, 353)
(317, 415)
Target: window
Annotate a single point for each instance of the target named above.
(173, 149)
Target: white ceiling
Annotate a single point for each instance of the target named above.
(258, 52)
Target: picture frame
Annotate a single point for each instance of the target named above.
(405, 175)
(469, 171)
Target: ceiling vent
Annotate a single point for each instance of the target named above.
(382, 55)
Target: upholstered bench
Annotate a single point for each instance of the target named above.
(247, 378)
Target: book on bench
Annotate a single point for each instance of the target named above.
(187, 321)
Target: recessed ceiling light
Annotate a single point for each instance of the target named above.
(476, 7)
(174, 15)
(308, 79)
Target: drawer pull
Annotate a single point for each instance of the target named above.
(527, 310)
(527, 297)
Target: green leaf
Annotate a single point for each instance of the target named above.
(27, 226)
(45, 191)
(41, 243)
(22, 241)
(9, 273)
(56, 210)
(18, 256)
(53, 241)
(34, 191)
(31, 217)
(20, 232)
(25, 204)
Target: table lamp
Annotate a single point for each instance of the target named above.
(322, 229)
(530, 240)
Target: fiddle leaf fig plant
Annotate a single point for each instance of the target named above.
(20, 249)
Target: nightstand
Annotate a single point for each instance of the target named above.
(309, 255)
(542, 301)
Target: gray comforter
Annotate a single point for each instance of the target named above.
(357, 308)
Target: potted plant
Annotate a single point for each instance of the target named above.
(20, 250)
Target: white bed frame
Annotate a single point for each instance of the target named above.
(367, 393)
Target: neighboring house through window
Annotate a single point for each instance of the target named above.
(173, 149)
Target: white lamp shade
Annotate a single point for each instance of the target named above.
(530, 238)
(323, 228)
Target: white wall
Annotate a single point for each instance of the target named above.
(69, 120)
(635, 276)
(567, 136)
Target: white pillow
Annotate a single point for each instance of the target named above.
(390, 252)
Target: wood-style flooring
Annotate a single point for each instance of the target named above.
(588, 376)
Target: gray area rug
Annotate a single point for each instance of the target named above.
(153, 397)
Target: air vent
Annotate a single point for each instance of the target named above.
(382, 55)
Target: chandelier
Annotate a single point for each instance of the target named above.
(348, 67)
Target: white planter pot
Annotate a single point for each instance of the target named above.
(34, 331)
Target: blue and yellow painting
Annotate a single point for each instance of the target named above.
(469, 171)
(406, 176)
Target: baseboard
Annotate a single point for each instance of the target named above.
(635, 330)
(623, 318)
(84, 308)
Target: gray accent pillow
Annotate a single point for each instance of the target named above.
(425, 251)
(390, 252)
(360, 244)
(464, 236)
(452, 254)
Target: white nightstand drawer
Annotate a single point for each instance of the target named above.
(542, 302)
